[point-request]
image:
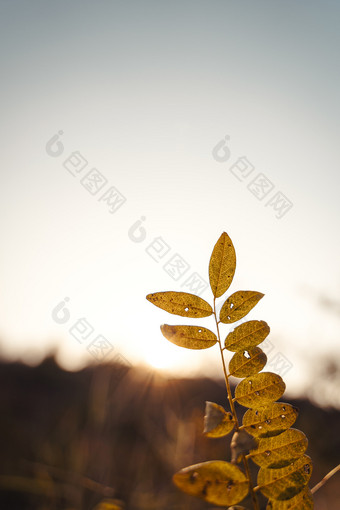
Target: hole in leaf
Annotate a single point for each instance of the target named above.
(231, 305)
(186, 309)
(193, 477)
(268, 421)
(206, 485)
(267, 452)
(249, 382)
(246, 355)
(200, 331)
(256, 412)
(283, 416)
(260, 427)
(283, 408)
(306, 468)
(257, 392)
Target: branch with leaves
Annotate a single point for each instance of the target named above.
(265, 436)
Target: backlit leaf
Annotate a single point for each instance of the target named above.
(247, 362)
(279, 451)
(217, 422)
(247, 335)
(237, 507)
(217, 482)
(238, 305)
(108, 504)
(269, 421)
(181, 303)
(302, 501)
(222, 265)
(241, 443)
(191, 337)
(259, 390)
(284, 483)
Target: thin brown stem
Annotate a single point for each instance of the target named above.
(325, 479)
(233, 410)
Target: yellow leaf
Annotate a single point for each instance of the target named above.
(191, 337)
(181, 303)
(247, 362)
(302, 501)
(241, 443)
(269, 421)
(237, 507)
(217, 482)
(222, 265)
(247, 335)
(108, 504)
(259, 390)
(279, 451)
(284, 483)
(238, 305)
(217, 422)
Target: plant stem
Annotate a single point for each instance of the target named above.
(325, 479)
(232, 407)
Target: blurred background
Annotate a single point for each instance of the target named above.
(134, 134)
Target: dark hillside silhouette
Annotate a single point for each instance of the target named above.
(70, 439)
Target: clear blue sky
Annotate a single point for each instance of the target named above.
(144, 91)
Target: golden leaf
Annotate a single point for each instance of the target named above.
(279, 451)
(217, 422)
(284, 483)
(241, 443)
(248, 334)
(259, 390)
(247, 362)
(217, 482)
(222, 265)
(181, 303)
(238, 305)
(302, 501)
(190, 337)
(109, 504)
(269, 421)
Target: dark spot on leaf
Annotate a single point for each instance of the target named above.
(193, 477)
(205, 488)
(306, 468)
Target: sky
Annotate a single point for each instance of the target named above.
(133, 134)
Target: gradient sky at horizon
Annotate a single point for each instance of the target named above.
(145, 91)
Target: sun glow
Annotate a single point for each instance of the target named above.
(162, 355)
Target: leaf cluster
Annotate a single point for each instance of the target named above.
(266, 436)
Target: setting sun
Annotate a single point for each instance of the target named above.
(162, 356)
